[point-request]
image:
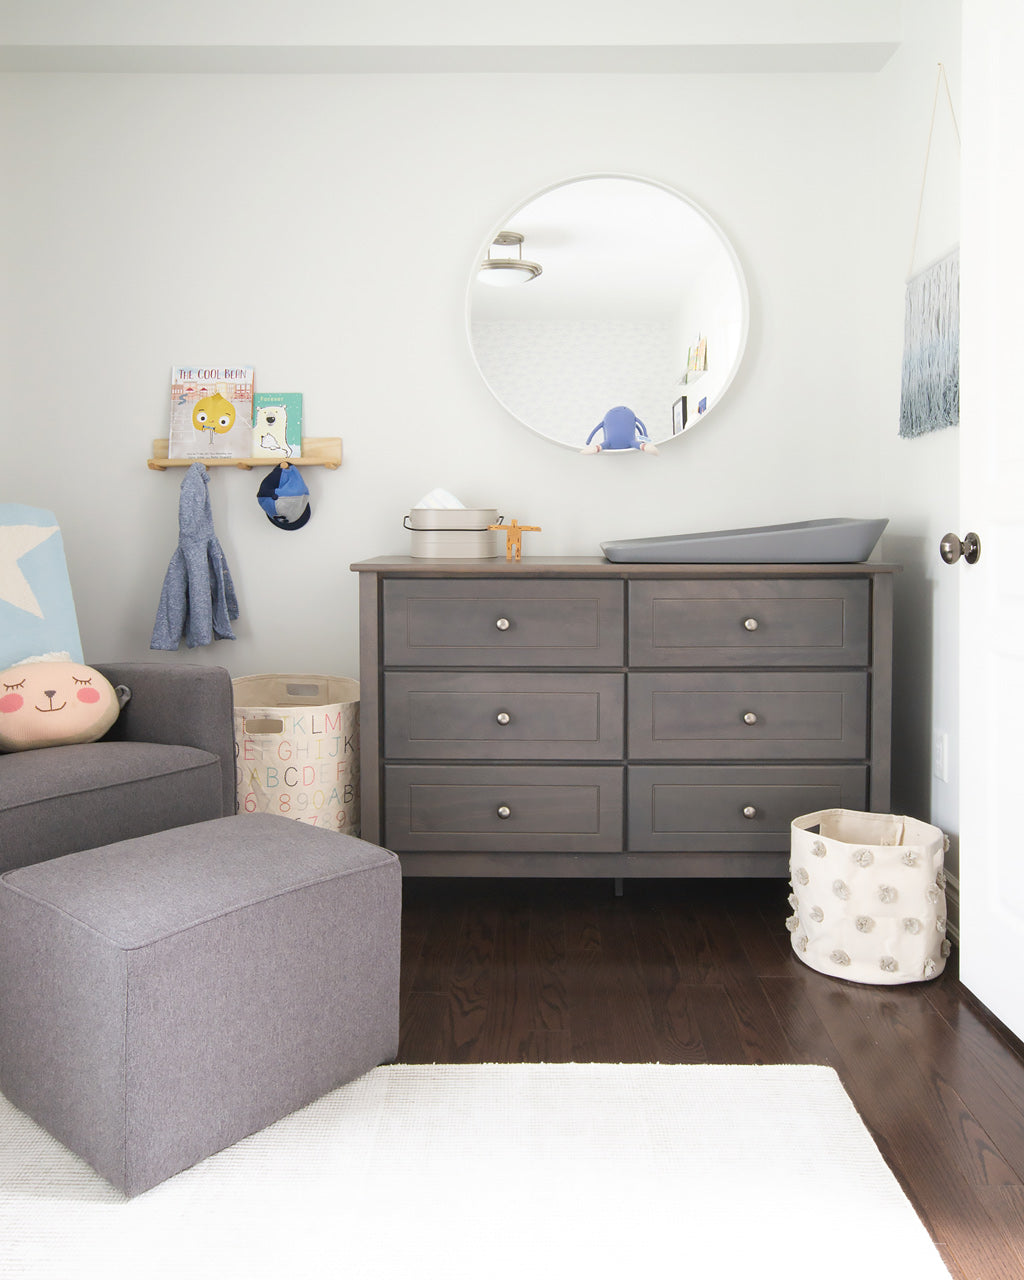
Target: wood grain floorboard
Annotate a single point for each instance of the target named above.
(547, 964)
(435, 936)
(761, 1035)
(611, 1016)
(424, 1034)
(703, 971)
(675, 1027)
(899, 1105)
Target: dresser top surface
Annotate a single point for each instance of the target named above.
(599, 567)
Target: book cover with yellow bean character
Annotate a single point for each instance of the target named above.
(211, 412)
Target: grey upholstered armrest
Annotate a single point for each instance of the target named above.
(179, 705)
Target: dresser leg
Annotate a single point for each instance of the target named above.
(618, 886)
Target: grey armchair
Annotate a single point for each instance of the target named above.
(168, 761)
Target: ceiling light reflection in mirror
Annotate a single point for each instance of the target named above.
(505, 264)
(640, 301)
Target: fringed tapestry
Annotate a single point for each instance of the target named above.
(930, 393)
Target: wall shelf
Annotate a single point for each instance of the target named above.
(324, 451)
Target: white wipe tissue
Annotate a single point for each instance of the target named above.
(440, 500)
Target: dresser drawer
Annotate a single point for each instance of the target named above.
(722, 808)
(548, 808)
(497, 623)
(438, 715)
(723, 715)
(730, 623)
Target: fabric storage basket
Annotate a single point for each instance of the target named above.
(869, 896)
(297, 748)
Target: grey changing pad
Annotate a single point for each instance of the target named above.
(838, 541)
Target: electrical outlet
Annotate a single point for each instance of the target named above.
(940, 755)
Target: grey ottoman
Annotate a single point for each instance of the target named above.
(163, 997)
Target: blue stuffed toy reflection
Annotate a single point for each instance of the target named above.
(621, 429)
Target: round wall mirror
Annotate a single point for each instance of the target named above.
(606, 291)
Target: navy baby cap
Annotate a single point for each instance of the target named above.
(284, 497)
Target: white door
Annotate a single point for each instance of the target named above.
(992, 504)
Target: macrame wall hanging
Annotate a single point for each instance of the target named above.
(930, 392)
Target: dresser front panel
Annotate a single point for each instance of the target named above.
(556, 808)
(577, 717)
(744, 623)
(446, 715)
(494, 623)
(745, 808)
(725, 715)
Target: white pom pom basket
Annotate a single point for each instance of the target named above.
(868, 899)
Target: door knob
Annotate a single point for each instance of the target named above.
(951, 548)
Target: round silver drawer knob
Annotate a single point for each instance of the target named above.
(750, 624)
(504, 811)
(750, 717)
(502, 624)
(749, 811)
(503, 717)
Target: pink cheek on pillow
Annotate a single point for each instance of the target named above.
(88, 695)
(11, 702)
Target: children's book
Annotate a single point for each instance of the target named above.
(697, 359)
(211, 412)
(277, 425)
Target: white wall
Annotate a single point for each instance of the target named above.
(920, 477)
(562, 376)
(269, 220)
(323, 229)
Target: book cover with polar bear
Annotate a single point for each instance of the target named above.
(211, 412)
(277, 425)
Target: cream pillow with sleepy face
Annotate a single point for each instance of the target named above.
(54, 704)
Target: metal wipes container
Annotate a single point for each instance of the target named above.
(453, 532)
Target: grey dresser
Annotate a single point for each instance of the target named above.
(550, 717)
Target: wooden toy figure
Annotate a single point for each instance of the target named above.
(514, 537)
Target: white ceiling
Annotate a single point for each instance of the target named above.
(604, 243)
(600, 36)
(438, 59)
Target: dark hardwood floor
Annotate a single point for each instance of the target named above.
(702, 971)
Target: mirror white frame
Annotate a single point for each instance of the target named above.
(634, 275)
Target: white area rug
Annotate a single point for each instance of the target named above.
(417, 1173)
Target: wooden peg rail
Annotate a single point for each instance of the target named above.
(324, 451)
